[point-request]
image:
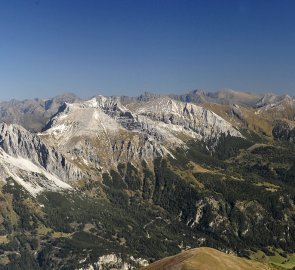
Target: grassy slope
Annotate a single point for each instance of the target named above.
(206, 259)
(278, 258)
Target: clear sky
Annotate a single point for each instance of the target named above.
(109, 47)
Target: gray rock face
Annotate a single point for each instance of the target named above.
(178, 118)
(277, 107)
(272, 100)
(18, 142)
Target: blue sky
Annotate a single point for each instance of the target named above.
(115, 47)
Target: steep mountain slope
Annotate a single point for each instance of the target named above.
(206, 259)
(189, 117)
(33, 164)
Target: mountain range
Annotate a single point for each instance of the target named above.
(120, 182)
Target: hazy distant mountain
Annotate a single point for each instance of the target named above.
(226, 96)
(33, 114)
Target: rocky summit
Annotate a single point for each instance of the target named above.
(122, 182)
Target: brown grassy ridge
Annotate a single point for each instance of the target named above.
(206, 259)
(249, 119)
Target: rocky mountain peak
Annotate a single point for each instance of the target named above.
(103, 132)
(272, 100)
